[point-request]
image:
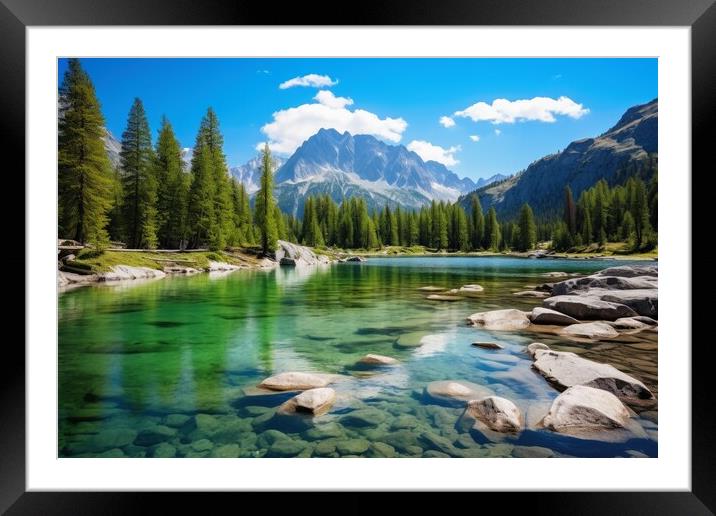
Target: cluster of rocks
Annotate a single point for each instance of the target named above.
(599, 306)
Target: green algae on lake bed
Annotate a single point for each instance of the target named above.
(166, 368)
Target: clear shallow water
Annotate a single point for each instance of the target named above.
(159, 368)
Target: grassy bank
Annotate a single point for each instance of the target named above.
(103, 262)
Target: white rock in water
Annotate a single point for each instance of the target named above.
(497, 414)
(582, 409)
(508, 319)
(373, 359)
(288, 253)
(594, 330)
(126, 272)
(455, 392)
(313, 401)
(534, 347)
(568, 369)
(290, 381)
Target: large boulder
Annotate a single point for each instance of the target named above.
(507, 320)
(296, 381)
(583, 410)
(542, 315)
(631, 271)
(642, 301)
(534, 347)
(495, 414)
(312, 402)
(126, 272)
(454, 393)
(297, 255)
(593, 330)
(567, 369)
(604, 282)
(588, 307)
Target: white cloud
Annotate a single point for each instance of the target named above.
(311, 80)
(446, 121)
(291, 127)
(498, 132)
(542, 109)
(430, 152)
(474, 138)
(328, 99)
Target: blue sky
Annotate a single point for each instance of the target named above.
(397, 100)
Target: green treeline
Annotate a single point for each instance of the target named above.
(152, 199)
(439, 225)
(623, 213)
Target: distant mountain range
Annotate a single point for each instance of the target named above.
(345, 165)
(627, 147)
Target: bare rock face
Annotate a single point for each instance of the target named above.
(496, 414)
(568, 369)
(588, 307)
(507, 320)
(288, 253)
(378, 360)
(312, 402)
(454, 393)
(541, 315)
(584, 410)
(296, 381)
(594, 330)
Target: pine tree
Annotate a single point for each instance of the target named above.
(570, 211)
(139, 180)
(265, 202)
(527, 229)
(640, 212)
(200, 210)
(85, 191)
(492, 230)
(463, 238)
(478, 222)
(172, 193)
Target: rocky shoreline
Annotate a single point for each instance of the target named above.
(70, 274)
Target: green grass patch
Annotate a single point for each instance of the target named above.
(90, 260)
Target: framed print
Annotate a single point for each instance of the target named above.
(311, 257)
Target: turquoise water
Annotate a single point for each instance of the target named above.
(159, 368)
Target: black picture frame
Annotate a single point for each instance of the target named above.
(700, 15)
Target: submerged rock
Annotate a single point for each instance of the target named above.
(290, 381)
(443, 297)
(455, 393)
(587, 307)
(567, 369)
(594, 330)
(313, 401)
(531, 293)
(410, 340)
(154, 435)
(488, 345)
(377, 360)
(581, 409)
(541, 315)
(467, 291)
(431, 288)
(508, 319)
(363, 417)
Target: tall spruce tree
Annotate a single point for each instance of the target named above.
(570, 211)
(85, 190)
(265, 203)
(478, 222)
(492, 230)
(172, 188)
(200, 209)
(527, 229)
(139, 180)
